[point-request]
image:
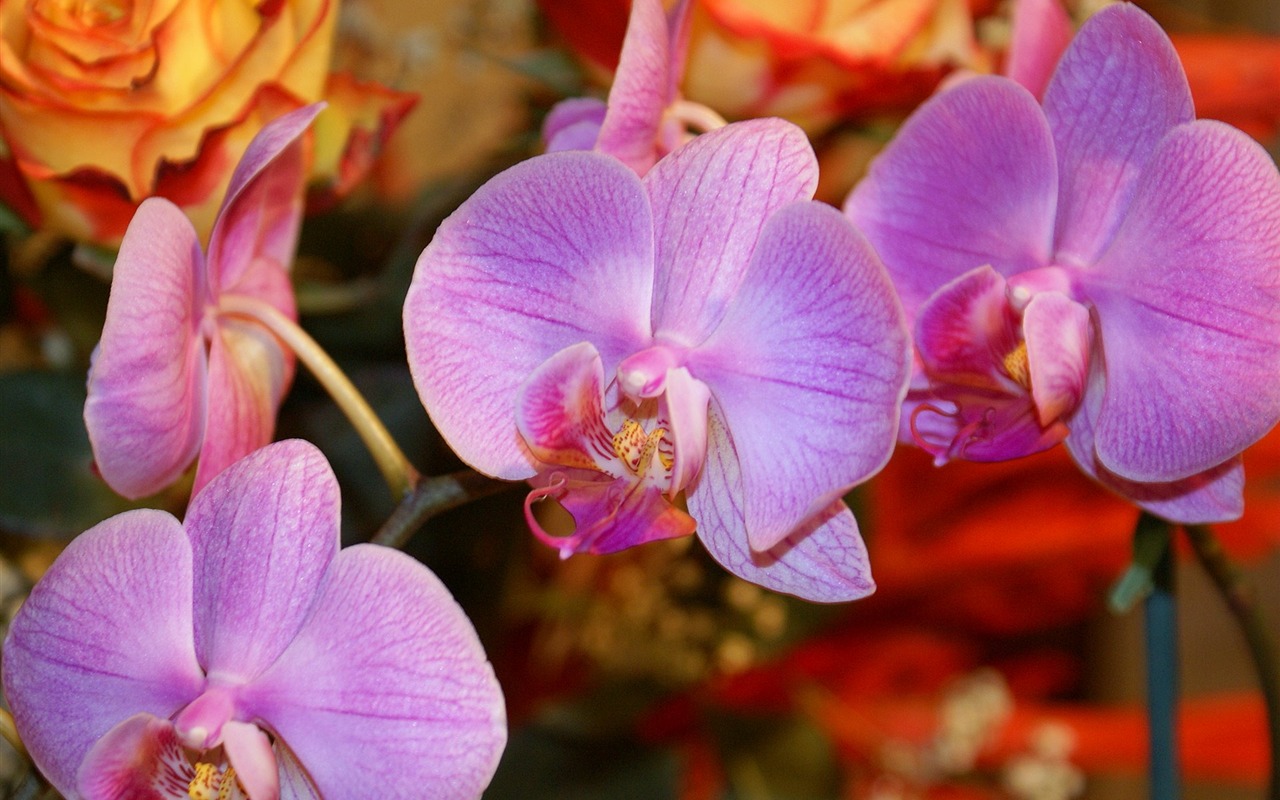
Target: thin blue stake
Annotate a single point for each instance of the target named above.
(1161, 623)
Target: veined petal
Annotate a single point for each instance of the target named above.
(967, 331)
(968, 181)
(1215, 495)
(106, 634)
(139, 759)
(711, 199)
(824, 560)
(639, 95)
(1059, 338)
(295, 783)
(560, 410)
(808, 368)
(1118, 89)
(1188, 302)
(262, 212)
(556, 250)
(573, 124)
(249, 371)
(386, 685)
(146, 405)
(609, 514)
(263, 532)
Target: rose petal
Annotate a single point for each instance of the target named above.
(1118, 89)
(263, 532)
(386, 685)
(1188, 300)
(146, 405)
(710, 200)
(968, 181)
(262, 211)
(556, 250)
(808, 368)
(106, 634)
(248, 374)
(824, 561)
(639, 95)
(141, 759)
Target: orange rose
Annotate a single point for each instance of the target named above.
(811, 61)
(105, 102)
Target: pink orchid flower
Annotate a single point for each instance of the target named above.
(706, 329)
(645, 117)
(1101, 269)
(175, 376)
(241, 649)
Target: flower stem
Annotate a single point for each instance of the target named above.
(431, 496)
(399, 474)
(1161, 624)
(1241, 599)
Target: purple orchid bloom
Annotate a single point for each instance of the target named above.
(176, 375)
(645, 117)
(243, 640)
(706, 329)
(1102, 270)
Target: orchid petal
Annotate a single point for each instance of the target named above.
(1118, 89)
(979, 426)
(556, 250)
(968, 181)
(824, 560)
(106, 634)
(295, 783)
(1041, 33)
(1215, 495)
(610, 514)
(573, 124)
(249, 752)
(560, 410)
(967, 330)
(386, 685)
(263, 532)
(248, 373)
(146, 405)
(687, 400)
(639, 95)
(710, 200)
(262, 212)
(1059, 338)
(139, 759)
(1188, 300)
(808, 368)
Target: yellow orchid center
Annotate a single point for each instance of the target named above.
(213, 783)
(636, 449)
(1016, 366)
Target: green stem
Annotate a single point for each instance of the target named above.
(432, 496)
(1241, 599)
(399, 474)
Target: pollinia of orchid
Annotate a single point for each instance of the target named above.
(657, 327)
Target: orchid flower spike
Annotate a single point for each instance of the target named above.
(706, 329)
(175, 376)
(1101, 269)
(240, 652)
(645, 117)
